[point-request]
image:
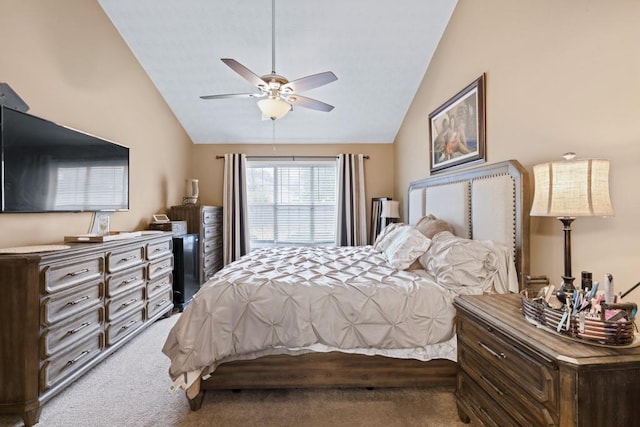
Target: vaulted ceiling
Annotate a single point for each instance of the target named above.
(379, 50)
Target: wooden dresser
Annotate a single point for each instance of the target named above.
(64, 311)
(513, 373)
(206, 222)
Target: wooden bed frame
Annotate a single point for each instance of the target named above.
(464, 206)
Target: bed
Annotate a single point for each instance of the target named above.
(336, 332)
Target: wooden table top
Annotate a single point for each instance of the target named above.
(504, 313)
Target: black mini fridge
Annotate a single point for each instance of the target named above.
(185, 269)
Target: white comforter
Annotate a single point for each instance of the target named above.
(294, 300)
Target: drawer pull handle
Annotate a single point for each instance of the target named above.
(496, 389)
(128, 325)
(80, 356)
(78, 329)
(126, 282)
(78, 301)
(492, 351)
(131, 301)
(75, 273)
(128, 258)
(161, 303)
(160, 285)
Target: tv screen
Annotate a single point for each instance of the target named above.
(51, 168)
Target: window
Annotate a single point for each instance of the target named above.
(291, 203)
(91, 187)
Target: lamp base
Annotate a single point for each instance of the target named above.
(566, 288)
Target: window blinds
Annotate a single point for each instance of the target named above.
(291, 203)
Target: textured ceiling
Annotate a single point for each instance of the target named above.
(379, 50)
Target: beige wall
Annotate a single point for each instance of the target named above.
(561, 76)
(67, 61)
(378, 168)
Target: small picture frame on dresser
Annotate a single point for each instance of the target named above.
(160, 218)
(100, 225)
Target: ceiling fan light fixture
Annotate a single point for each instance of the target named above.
(274, 108)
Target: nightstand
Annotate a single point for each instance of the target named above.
(514, 373)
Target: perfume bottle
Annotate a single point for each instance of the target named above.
(587, 280)
(609, 294)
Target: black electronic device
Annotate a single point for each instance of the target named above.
(52, 168)
(185, 270)
(11, 99)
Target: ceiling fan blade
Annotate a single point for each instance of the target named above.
(310, 82)
(232, 95)
(248, 75)
(303, 101)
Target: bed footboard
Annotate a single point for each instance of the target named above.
(327, 370)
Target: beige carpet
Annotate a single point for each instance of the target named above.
(131, 388)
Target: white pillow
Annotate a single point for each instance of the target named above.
(386, 236)
(405, 246)
(458, 263)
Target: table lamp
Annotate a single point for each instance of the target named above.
(568, 189)
(390, 210)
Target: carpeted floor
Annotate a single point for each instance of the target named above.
(131, 388)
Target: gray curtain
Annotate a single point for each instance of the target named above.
(352, 217)
(235, 225)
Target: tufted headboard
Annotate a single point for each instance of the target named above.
(490, 202)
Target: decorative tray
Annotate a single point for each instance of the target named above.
(94, 238)
(590, 328)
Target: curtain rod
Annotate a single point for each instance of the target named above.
(289, 157)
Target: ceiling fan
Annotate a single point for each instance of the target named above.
(278, 94)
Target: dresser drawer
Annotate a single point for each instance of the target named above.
(212, 261)
(125, 258)
(68, 334)
(160, 302)
(159, 268)
(210, 246)
(123, 304)
(157, 286)
(159, 249)
(116, 331)
(209, 261)
(65, 275)
(60, 306)
(480, 403)
(535, 375)
(513, 399)
(212, 231)
(211, 216)
(60, 367)
(125, 281)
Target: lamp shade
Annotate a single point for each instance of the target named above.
(390, 209)
(572, 188)
(274, 108)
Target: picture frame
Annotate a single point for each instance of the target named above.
(101, 224)
(457, 129)
(377, 223)
(160, 218)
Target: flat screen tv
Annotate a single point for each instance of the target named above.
(51, 168)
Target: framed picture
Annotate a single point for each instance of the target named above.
(377, 223)
(100, 224)
(457, 129)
